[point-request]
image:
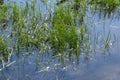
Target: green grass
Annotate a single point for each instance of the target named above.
(106, 7)
(3, 48)
(64, 33)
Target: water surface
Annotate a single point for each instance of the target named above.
(102, 64)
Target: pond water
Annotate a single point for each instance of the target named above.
(101, 65)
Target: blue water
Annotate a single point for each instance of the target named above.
(101, 65)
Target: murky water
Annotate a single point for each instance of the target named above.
(102, 65)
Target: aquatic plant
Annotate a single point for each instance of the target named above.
(107, 41)
(15, 12)
(3, 48)
(4, 15)
(64, 34)
(107, 7)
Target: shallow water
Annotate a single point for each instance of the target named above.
(101, 65)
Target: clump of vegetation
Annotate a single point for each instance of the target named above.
(3, 48)
(64, 34)
(105, 6)
(68, 34)
(4, 15)
(28, 31)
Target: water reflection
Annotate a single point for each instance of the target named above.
(99, 67)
